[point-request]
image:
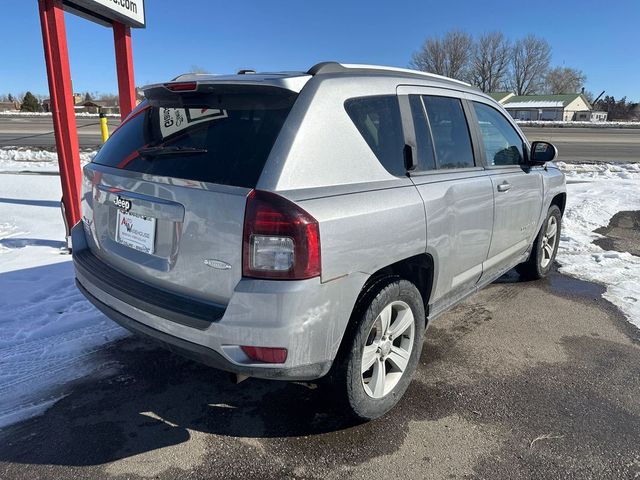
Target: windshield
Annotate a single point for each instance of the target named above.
(222, 139)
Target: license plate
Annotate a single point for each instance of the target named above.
(136, 231)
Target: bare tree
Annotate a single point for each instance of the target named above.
(529, 65)
(431, 58)
(564, 80)
(490, 61)
(448, 56)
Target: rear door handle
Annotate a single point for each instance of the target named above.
(504, 186)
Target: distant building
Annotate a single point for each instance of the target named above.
(501, 97)
(551, 107)
(592, 116)
(96, 106)
(9, 106)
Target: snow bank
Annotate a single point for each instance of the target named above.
(561, 123)
(48, 331)
(595, 193)
(36, 160)
(10, 113)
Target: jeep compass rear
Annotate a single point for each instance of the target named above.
(303, 225)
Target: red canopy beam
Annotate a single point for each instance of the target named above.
(56, 55)
(124, 67)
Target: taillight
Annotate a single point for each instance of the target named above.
(280, 241)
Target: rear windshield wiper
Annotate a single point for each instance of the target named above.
(157, 151)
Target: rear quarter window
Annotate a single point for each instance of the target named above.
(378, 120)
(233, 138)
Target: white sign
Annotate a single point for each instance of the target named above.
(136, 231)
(172, 120)
(129, 12)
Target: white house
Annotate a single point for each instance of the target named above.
(550, 107)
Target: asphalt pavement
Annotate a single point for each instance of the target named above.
(578, 145)
(574, 144)
(23, 131)
(524, 380)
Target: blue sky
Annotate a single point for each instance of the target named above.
(222, 36)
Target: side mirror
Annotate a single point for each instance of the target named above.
(542, 152)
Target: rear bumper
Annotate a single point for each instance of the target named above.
(204, 354)
(308, 318)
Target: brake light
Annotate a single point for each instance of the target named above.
(181, 86)
(266, 354)
(280, 241)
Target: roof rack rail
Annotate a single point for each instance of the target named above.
(326, 67)
(244, 71)
(335, 67)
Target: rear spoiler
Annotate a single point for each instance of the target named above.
(186, 85)
(215, 95)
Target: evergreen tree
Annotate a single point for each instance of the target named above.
(87, 97)
(10, 98)
(30, 103)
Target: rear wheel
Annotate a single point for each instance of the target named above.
(383, 353)
(545, 247)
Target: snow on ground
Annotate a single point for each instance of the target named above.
(36, 160)
(574, 123)
(14, 113)
(48, 331)
(595, 193)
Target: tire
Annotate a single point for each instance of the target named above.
(370, 394)
(545, 247)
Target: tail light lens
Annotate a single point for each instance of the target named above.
(281, 240)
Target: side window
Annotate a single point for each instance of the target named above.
(426, 158)
(378, 120)
(502, 144)
(450, 132)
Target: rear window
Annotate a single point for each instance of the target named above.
(223, 139)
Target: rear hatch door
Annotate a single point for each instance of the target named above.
(165, 196)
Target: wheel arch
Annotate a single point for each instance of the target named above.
(560, 200)
(417, 269)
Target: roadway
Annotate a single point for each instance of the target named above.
(574, 144)
(22, 131)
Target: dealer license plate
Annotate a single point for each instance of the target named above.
(136, 231)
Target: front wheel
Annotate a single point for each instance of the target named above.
(545, 247)
(384, 350)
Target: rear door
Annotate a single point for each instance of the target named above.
(517, 188)
(456, 191)
(165, 196)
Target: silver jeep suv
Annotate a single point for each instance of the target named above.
(304, 225)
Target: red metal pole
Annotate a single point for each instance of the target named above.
(54, 38)
(124, 67)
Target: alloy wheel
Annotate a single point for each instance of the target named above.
(387, 351)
